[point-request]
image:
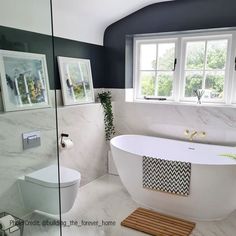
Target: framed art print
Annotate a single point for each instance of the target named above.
(76, 80)
(24, 80)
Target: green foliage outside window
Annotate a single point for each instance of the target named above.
(192, 83)
(216, 59)
(164, 80)
(214, 81)
(148, 85)
(165, 84)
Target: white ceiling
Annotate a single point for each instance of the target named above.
(86, 20)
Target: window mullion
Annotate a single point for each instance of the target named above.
(137, 68)
(139, 83)
(178, 71)
(156, 72)
(205, 65)
(230, 72)
(156, 84)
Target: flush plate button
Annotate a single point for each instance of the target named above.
(31, 139)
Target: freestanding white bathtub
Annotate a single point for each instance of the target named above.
(213, 177)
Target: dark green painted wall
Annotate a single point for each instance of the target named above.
(25, 41)
(161, 17)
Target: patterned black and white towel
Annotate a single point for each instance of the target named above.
(167, 176)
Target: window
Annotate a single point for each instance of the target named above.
(205, 68)
(156, 68)
(174, 68)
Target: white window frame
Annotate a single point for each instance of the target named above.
(232, 82)
(137, 69)
(196, 38)
(180, 40)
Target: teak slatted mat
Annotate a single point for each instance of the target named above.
(157, 224)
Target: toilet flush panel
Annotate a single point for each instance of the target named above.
(31, 139)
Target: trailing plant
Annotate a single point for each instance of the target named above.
(105, 99)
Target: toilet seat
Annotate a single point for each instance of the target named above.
(48, 177)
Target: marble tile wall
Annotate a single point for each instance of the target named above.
(172, 120)
(16, 162)
(85, 125)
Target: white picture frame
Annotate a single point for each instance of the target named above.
(24, 81)
(76, 80)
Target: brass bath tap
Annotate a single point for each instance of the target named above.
(194, 133)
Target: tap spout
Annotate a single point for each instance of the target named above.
(194, 133)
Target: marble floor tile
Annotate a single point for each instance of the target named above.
(106, 199)
(31, 228)
(104, 203)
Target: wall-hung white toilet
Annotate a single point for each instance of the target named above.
(40, 189)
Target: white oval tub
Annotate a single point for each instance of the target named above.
(213, 177)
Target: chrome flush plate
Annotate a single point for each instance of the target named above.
(31, 139)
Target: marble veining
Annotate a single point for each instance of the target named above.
(15, 161)
(84, 124)
(170, 121)
(105, 199)
(42, 229)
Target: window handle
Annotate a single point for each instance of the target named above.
(235, 64)
(175, 62)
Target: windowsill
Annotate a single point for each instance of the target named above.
(130, 98)
(220, 105)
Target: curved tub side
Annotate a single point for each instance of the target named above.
(212, 190)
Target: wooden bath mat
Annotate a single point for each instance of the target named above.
(157, 224)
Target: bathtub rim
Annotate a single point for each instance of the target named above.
(179, 141)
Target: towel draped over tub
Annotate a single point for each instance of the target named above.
(167, 176)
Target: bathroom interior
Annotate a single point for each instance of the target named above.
(167, 72)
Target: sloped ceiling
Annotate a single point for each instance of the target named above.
(86, 20)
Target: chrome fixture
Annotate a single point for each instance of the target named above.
(31, 139)
(194, 133)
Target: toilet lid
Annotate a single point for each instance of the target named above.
(48, 177)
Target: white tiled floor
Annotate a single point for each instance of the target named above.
(105, 199)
